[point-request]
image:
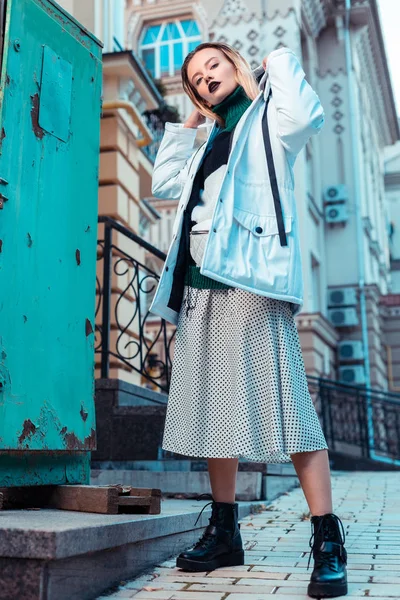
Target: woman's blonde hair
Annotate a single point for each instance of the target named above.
(244, 77)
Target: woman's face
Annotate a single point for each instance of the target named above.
(210, 67)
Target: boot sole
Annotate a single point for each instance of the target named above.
(326, 590)
(225, 560)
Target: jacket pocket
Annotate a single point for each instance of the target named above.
(258, 258)
(260, 225)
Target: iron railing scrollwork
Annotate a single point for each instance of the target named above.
(124, 289)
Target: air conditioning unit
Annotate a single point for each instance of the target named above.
(336, 193)
(336, 213)
(354, 374)
(342, 297)
(351, 350)
(343, 317)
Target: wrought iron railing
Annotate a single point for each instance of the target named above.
(126, 336)
(342, 410)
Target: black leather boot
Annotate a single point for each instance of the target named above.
(329, 576)
(220, 545)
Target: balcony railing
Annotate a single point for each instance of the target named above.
(342, 410)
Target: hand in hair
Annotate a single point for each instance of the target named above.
(264, 62)
(195, 119)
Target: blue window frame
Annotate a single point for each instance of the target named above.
(164, 47)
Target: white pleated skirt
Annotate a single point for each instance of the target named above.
(238, 383)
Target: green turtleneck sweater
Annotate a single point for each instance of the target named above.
(230, 109)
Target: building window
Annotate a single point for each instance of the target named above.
(164, 47)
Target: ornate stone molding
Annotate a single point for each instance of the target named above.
(331, 73)
(365, 12)
(222, 21)
(280, 13)
(372, 81)
(318, 324)
(156, 12)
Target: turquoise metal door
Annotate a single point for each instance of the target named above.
(49, 151)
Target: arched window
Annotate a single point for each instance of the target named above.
(164, 47)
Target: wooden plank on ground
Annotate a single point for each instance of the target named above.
(106, 499)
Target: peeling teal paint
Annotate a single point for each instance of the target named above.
(48, 229)
(44, 468)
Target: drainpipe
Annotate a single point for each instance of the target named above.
(355, 136)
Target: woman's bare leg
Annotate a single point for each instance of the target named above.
(313, 471)
(222, 473)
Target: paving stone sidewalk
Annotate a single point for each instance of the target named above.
(276, 549)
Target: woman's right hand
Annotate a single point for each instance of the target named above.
(195, 119)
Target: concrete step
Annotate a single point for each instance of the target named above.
(68, 555)
(250, 485)
(190, 483)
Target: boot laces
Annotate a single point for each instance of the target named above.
(202, 497)
(327, 529)
(205, 538)
(202, 542)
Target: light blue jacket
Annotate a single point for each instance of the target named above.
(243, 248)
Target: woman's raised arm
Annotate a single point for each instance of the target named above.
(172, 161)
(299, 110)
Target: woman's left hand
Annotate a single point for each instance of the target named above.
(264, 62)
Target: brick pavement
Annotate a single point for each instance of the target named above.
(276, 549)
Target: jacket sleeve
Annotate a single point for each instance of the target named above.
(171, 163)
(299, 111)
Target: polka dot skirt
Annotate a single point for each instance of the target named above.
(238, 383)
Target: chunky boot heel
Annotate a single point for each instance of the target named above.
(220, 545)
(236, 558)
(329, 576)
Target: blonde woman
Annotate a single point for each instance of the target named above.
(232, 284)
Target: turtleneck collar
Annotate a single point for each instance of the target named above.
(232, 107)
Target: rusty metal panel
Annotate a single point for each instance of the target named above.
(49, 150)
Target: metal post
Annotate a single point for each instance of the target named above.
(355, 136)
(105, 327)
